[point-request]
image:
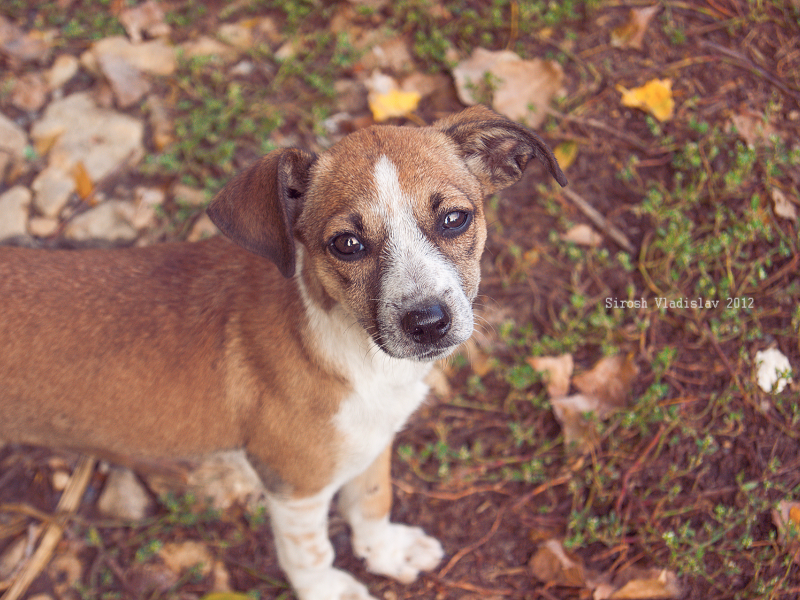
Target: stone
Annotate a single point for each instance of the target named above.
(42, 227)
(53, 188)
(13, 138)
(110, 220)
(74, 129)
(155, 57)
(127, 82)
(64, 68)
(14, 212)
(123, 497)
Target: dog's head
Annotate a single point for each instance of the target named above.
(390, 220)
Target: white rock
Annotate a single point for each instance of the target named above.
(53, 188)
(156, 57)
(123, 497)
(203, 228)
(110, 220)
(14, 212)
(147, 201)
(772, 365)
(75, 130)
(64, 68)
(42, 226)
(13, 138)
(225, 478)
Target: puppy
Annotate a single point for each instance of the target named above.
(310, 360)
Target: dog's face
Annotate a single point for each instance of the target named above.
(393, 230)
(391, 221)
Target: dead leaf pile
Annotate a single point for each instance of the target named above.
(603, 390)
(553, 565)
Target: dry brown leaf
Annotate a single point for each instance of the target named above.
(557, 371)
(551, 564)
(569, 412)
(179, 556)
(752, 128)
(631, 33)
(652, 584)
(786, 517)
(609, 382)
(784, 207)
(520, 89)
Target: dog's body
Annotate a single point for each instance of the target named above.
(184, 349)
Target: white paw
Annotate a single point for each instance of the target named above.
(399, 551)
(332, 584)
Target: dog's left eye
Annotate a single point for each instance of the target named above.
(455, 222)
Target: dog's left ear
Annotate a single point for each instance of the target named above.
(258, 208)
(496, 149)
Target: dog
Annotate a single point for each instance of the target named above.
(310, 360)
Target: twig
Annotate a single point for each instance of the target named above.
(599, 220)
(635, 467)
(67, 505)
(472, 547)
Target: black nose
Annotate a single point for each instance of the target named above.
(428, 325)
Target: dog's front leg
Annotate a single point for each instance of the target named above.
(300, 528)
(390, 549)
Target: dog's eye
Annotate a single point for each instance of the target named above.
(346, 246)
(455, 222)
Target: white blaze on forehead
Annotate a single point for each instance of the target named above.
(387, 186)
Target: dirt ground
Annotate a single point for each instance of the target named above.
(490, 519)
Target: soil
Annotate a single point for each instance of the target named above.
(490, 529)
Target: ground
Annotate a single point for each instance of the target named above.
(685, 474)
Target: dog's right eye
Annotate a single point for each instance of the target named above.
(346, 246)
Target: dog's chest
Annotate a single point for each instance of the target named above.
(383, 398)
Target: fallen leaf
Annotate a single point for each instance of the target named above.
(786, 517)
(583, 235)
(386, 100)
(784, 207)
(557, 371)
(83, 181)
(566, 153)
(179, 556)
(609, 381)
(772, 370)
(752, 127)
(520, 89)
(393, 104)
(654, 97)
(551, 565)
(631, 33)
(226, 596)
(654, 584)
(577, 430)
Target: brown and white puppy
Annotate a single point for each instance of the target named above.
(179, 350)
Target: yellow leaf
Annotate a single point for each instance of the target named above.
(226, 596)
(83, 181)
(393, 104)
(654, 97)
(566, 153)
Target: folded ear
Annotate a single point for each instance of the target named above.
(496, 149)
(257, 209)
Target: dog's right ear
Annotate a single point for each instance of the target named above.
(257, 209)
